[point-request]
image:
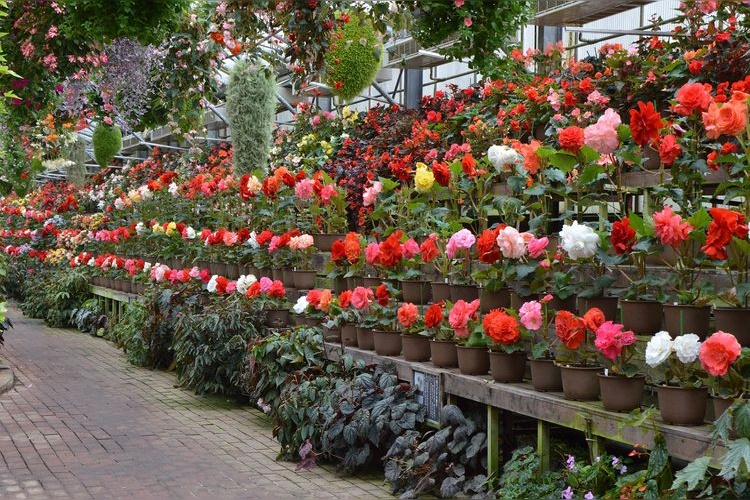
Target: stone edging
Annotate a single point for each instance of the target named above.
(7, 379)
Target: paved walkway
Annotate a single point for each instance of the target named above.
(83, 423)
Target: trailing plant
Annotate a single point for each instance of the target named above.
(251, 105)
(210, 345)
(274, 358)
(523, 478)
(88, 318)
(369, 413)
(448, 461)
(107, 141)
(354, 57)
(129, 332)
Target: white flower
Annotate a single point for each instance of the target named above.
(579, 241)
(190, 233)
(91, 262)
(119, 204)
(500, 156)
(301, 305)
(145, 193)
(146, 266)
(658, 349)
(686, 347)
(140, 228)
(244, 282)
(211, 286)
(252, 241)
(173, 189)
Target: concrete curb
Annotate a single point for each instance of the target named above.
(7, 378)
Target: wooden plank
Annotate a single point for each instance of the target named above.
(543, 444)
(493, 440)
(686, 443)
(116, 295)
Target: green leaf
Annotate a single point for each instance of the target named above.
(588, 154)
(590, 174)
(564, 161)
(700, 219)
(693, 474)
(741, 414)
(738, 453)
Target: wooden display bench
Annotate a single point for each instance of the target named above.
(113, 302)
(598, 424)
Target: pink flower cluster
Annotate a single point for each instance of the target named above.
(460, 315)
(602, 135)
(461, 240)
(610, 339)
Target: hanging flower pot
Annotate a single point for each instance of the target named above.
(332, 334)
(643, 317)
(304, 280)
(682, 405)
(734, 320)
(681, 319)
(494, 300)
(473, 360)
(545, 375)
(621, 393)
(365, 339)
(416, 347)
(443, 353)
(349, 335)
(721, 405)
(580, 383)
(506, 367)
(387, 343)
(415, 291)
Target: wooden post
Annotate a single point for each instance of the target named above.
(543, 444)
(493, 440)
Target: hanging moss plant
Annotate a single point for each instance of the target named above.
(107, 143)
(354, 58)
(251, 107)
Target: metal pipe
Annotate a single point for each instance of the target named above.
(217, 113)
(383, 92)
(285, 103)
(637, 32)
(585, 43)
(165, 146)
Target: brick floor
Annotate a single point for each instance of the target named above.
(83, 423)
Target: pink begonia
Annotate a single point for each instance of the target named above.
(461, 240)
(460, 315)
(537, 246)
(230, 238)
(371, 193)
(27, 48)
(610, 339)
(610, 118)
(274, 244)
(108, 121)
(670, 228)
(362, 297)
(301, 242)
(597, 98)
(52, 32)
(530, 315)
(304, 189)
(371, 253)
(467, 22)
(195, 272)
(601, 138)
(409, 248)
(328, 192)
(231, 287)
(316, 120)
(265, 284)
(458, 3)
(512, 243)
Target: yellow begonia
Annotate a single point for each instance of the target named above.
(157, 228)
(171, 228)
(423, 178)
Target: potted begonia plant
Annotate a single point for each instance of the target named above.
(473, 358)
(507, 355)
(443, 352)
(576, 355)
(621, 384)
(414, 338)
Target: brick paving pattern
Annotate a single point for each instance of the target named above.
(83, 423)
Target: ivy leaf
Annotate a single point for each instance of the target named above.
(693, 474)
(738, 452)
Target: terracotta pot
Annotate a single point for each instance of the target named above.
(516, 301)
(277, 274)
(608, 305)
(364, 339)
(443, 353)
(324, 242)
(734, 320)
(298, 320)
(580, 383)
(473, 360)
(494, 300)
(349, 335)
(371, 282)
(620, 393)
(387, 343)
(416, 347)
(643, 317)
(332, 335)
(682, 319)
(721, 405)
(304, 280)
(507, 367)
(568, 304)
(440, 291)
(415, 291)
(682, 406)
(277, 318)
(545, 375)
(288, 277)
(464, 292)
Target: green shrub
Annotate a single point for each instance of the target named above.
(88, 317)
(251, 107)
(107, 143)
(354, 58)
(52, 294)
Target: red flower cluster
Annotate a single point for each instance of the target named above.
(623, 236)
(501, 327)
(725, 224)
(645, 123)
(570, 329)
(571, 139)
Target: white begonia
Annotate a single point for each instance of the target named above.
(140, 228)
(301, 306)
(658, 349)
(501, 156)
(579, 241)
(145, 193)
(119, 204)
(244, 282)
(174, 189)
(687, 347)
(91, 262)
(211, 286)
(252, 240)
(146, 266)
(190, 233)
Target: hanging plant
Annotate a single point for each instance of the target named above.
(354, 57)
(251, 107)
(107, 143)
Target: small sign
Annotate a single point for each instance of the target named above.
(429, 394)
